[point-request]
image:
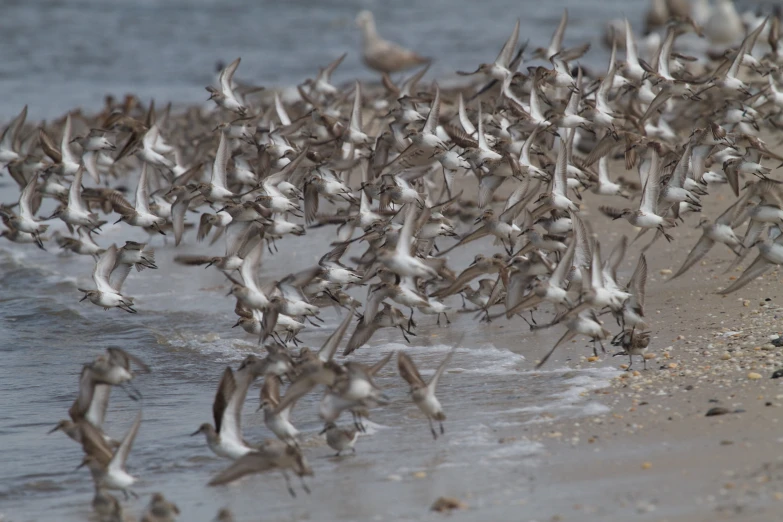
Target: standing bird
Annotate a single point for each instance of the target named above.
(382, 55)
(340, 439)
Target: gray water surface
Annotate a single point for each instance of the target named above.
(60, 55)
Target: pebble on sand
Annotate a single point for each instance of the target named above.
(448, 504)
(717, 411)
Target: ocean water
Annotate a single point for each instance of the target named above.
(183, 331)
(60, 55)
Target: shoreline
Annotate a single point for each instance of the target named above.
(655, 455)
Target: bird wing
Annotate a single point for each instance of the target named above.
(254, 462)
(408, 371)
(221, 163)
(433, 384)
(329, 348)
(227, 76)
(434, 115)
(356, 112)
(103, 269)
(142, 195)
(117, 462)
(757, 268)
(504, 58)
(703, 245)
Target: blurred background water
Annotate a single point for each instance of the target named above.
(62, 54)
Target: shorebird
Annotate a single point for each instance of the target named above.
(225, 437)
(75, 213)
(647, 217)
(272, 455)
(216, 190)
(160, 510)
(633, 309)
(318, 370)
(277, 422)
(386, 317)
(10, 141)
(139, 215)
(249, 293)
(138, 255)
(555, 46)
(109, 275)
(401, 261)
(85, 245)
(423, 394)
(718, 232)
(226, 96)
(382, 55)
(340, 439)
(500, 70)
(110, 472)
(92, 144)
(632, 343)
(353, 389)
(580, 320)
(106, 506)
(25, 222)
(770, 253)
(323, 82)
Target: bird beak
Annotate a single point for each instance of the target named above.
(195, 432)
(237, 323)
(323, 431)
(83, 298)
(53, 430)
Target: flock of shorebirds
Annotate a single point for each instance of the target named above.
(391, 165)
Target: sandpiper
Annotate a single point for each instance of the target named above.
(340, 439)
(423, 394)
(272, 455)
(225, 437)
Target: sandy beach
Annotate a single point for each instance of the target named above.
(655, 455)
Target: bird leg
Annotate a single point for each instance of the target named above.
(668, 237)
(288, 483)
(132, 392)
(357, 422)
(404, 331)
(432, 429)
(304, 484)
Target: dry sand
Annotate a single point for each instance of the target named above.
(655, 455)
